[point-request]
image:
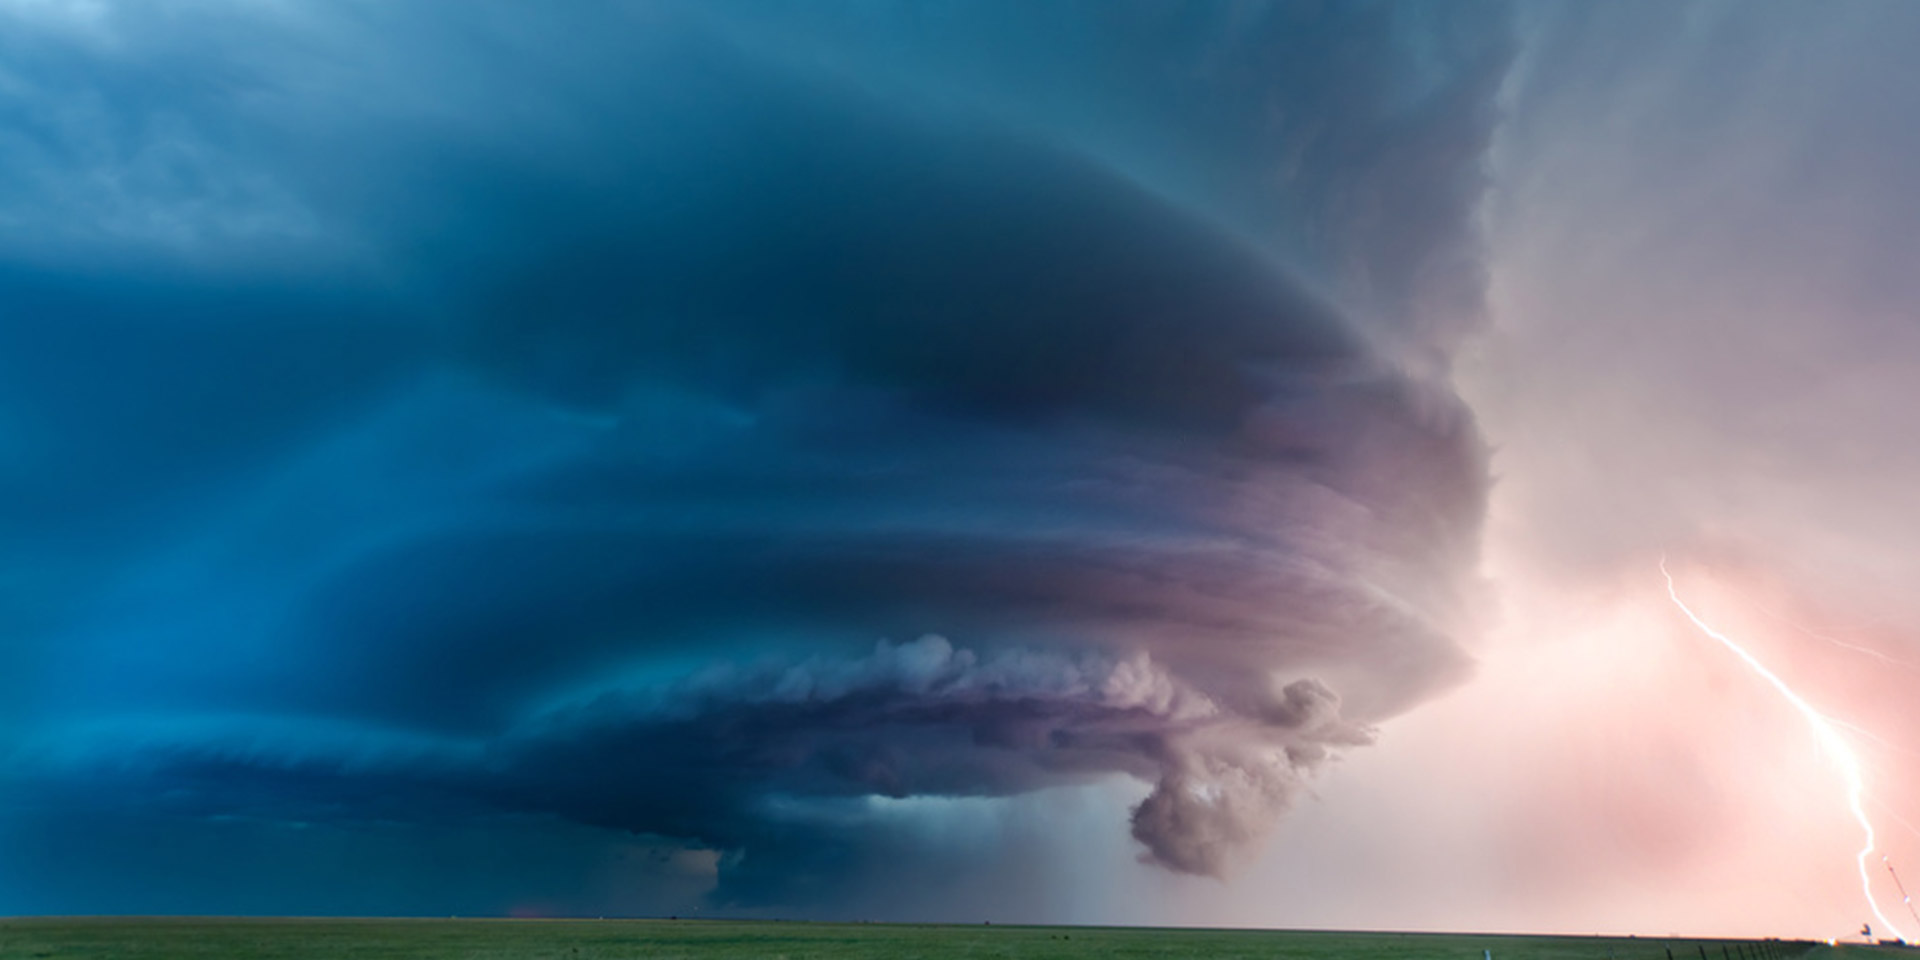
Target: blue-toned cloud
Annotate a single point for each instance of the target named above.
(706, 422)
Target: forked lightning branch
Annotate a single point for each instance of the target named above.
(1827, 733)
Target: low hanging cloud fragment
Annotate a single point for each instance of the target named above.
(692, 408)
(926, 719)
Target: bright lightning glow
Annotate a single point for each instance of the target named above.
(1825, 732)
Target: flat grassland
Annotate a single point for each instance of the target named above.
(134, 938)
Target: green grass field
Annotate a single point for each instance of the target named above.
(234, 939)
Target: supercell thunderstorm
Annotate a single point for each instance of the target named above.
(696, 440)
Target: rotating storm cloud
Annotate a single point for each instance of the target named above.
(744, 414)
(937, 460)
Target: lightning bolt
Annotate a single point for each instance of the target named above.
(1825, 732)
(1842, 644)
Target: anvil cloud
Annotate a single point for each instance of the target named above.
(703, 423)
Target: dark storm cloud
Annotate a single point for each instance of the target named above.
(517, 434)
(739, 757)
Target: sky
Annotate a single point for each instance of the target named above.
(1074, 462)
